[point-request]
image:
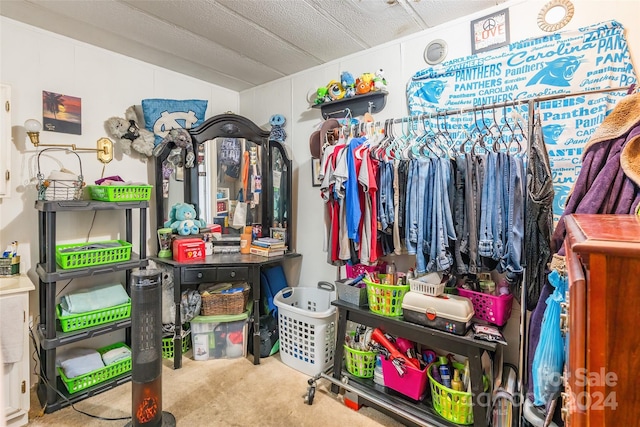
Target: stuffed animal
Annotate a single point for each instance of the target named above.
(335, 90)
(127, 134)
(182, 219)
(379, 82)
(180, 138)
(277, 133)
(348, 83)
(322, 95)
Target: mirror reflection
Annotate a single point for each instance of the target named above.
(235, 188)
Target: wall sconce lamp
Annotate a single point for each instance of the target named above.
(104, 150)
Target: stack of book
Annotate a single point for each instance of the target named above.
(268, 246)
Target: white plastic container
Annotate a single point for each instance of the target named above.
(449, 313)
(307, 327)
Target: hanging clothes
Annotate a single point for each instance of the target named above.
(601, 188)
(539, 218)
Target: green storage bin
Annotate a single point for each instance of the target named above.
(92, 257)
(120, 193)
(98, 376)
(73, 322)
(168, 346)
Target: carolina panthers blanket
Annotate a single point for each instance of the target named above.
(590, 58)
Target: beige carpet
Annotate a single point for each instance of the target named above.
(230, 392)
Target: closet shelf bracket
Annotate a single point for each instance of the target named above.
(372, 102)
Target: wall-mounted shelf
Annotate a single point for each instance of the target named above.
(372, 102)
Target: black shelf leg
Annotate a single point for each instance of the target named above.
(337, 354)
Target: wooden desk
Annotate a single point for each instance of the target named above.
(220, 268)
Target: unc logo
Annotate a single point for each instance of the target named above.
(431, 91)
(557, 72)
(560, 199)
(177, 119)
(551, 133)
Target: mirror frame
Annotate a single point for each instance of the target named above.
(230, 125)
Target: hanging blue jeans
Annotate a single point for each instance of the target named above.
(487, 222)
(424, 167)
(511, 261)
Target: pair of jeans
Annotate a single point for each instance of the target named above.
(474, 177)
(511, 260)
(487, 221)
(424, 170)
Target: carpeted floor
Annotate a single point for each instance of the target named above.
(223, 393)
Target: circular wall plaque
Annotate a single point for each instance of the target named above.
(555, 15)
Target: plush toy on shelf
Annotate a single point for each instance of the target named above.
(348, 83)
(182, 219)
(364, 83)
(322, 95)
(335, 89)
(379, 82)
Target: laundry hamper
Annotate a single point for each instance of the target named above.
(307, 327)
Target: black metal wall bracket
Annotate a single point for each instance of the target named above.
(372, 102)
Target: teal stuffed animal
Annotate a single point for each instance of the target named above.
(182, 219)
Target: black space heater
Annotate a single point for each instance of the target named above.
(146, 351)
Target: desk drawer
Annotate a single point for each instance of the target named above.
(233, 274)
(198, 275)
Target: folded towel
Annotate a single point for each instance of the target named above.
(95, 298)
(116, 355)
(11, 342)
(79, 361)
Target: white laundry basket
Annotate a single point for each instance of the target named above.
(307, 327)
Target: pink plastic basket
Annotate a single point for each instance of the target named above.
(412, 384)
(494, 309)
(355, 270)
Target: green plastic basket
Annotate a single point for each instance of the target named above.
(455, 406)
(73, 322)
(91, 257)
(359, 363)
(98, 376)
(385, 299)
(168, 346)
(120, 193)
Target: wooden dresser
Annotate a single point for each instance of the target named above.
(601, 320)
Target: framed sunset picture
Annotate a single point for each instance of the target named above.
(61, 113)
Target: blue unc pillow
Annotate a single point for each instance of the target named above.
(162, 115)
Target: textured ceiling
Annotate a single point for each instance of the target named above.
(238, 44)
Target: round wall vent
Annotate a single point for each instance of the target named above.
(435, 52)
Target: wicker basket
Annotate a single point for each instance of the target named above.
(59, 189)
(229, 300)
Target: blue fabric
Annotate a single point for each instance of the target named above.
(162, 115)
(79, 361)
(352, 197)
(272, 281)
(94, 298)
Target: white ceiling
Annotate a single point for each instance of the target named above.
(238, 44)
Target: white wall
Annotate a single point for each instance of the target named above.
(33, 60)
(399, 60)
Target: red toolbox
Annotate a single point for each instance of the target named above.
(188, 249)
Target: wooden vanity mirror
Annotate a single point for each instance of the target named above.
(236, 163)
